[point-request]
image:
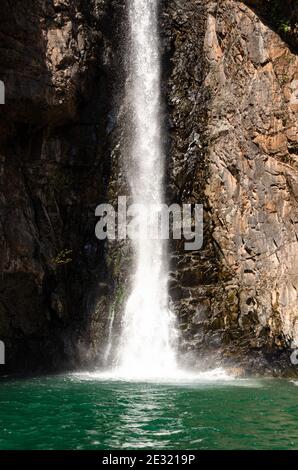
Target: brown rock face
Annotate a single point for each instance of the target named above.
(241, 157)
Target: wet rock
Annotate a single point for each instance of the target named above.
(229, 82)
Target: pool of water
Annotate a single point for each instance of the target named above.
(87, 412)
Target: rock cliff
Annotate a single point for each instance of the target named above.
(233, 107)
(230, 77)
(57, 66)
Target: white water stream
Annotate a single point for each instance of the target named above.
(146, 346)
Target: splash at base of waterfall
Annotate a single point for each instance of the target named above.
(148, 343)
(176, 376)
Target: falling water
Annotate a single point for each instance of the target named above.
(146, 346)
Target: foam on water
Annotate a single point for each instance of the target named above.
(210, 378)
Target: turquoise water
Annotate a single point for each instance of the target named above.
(77, 412)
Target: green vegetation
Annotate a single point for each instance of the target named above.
(285, 27)
(283, 14)
(119, 297)
(63, 257)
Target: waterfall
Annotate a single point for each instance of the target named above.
(146, 345)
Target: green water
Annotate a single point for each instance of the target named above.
(74, 413)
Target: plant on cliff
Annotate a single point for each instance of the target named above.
(284, 15)
(63, 257)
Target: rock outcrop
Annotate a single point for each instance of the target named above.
(233, 102)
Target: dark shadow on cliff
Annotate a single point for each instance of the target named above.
(55, 169)
(279, 15)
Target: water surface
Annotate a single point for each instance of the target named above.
(82, 412)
